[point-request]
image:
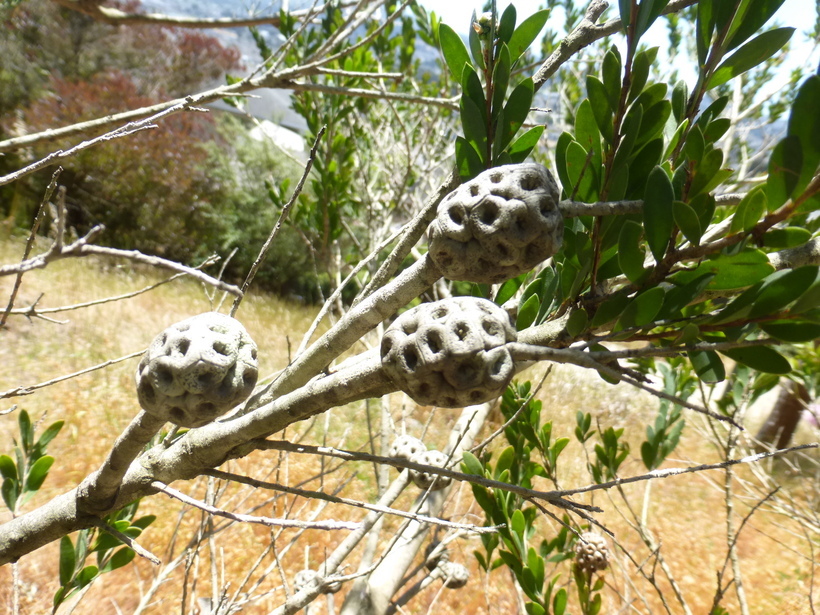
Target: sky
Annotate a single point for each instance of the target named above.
(797, 13)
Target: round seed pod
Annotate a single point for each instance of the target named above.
(435, 555)
(591, 552)
(455, 576)
(450, 353)
(404, 447)
(497, 225)
(426, 480)
(197, 370)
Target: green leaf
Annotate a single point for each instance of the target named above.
(716, 129)
(758, 13)
(679, 297)
(708, 366)
(704, 28)
(26, 430)
(732, 271)
(630, 129)
(642, 310)
(749, 211)
(471, 464)
(474, 90)
(38, 473)
(647, 14)
(640, 74)
(472, 122)
(527, 313)
(523, 145)
(561, 161)
(517, 523)
(609, 310)
(501, 79)
(611, 76)
(600, 106)
(7, 467)
(761, 358)
(559, 603)
(792, 331)
(10, 492)
(87, 574)
(709, 174)
(526, 33)
(657, 212)
(516, 111)
(804, 123)
(587, 132)
(120, 558)
(781, 288)
(506, 24)
(750, 55)
(468, 161)
(785, 168)
(49, 434)
(630, 254)
(534, 608)
(680, 96)
(453, 50)
(687, 221)
(577, 322)
(809, 300)
(787, 237)
(67, 560)
(582, 176)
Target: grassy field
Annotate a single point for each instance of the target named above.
(686, 515)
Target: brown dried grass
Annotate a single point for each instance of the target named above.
(686, 516)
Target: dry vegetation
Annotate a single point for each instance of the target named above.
(686, 515)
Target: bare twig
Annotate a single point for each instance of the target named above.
(269, 521)
(127, 540)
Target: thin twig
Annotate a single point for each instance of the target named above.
(278, 226)
(269, 521)
(126, 539)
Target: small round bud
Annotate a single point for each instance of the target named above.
(591, 552)
(197, 370)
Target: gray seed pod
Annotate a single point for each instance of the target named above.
(455, 576)
(435, 555)
(404, 447)
(305, 577)
(425, 480)
(450, 353)
(591, 552)
(497, 225)
(197, 370)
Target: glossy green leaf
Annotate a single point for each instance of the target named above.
(695, 145)
(87, 574)
(708, 366)
(749, 211)
(642, 310)
(630, 254)
(475, 130)
(716, 129)
(609, 310)
(561, 161)
(708, 173)
(756, 16)
(471, 464)
(559, 602)
(785, 167)
(809, 300)
(506, 24)
(679, 297)
(49, 434)
(527, 312)
(523, 145)
(7, 467)
(732, 271)
(794, 332)
(582, 173)
(704, 206)
(533, 608)
(704, 27)
(804, 123)
(787, 237)
(657, 212)
(468, 161)
(454, 51)
(475, 91)
(68, 561)
(642, 165)
(600, 107)
(781, 288)
(611, 76)
(526, 33)
(687, 221)
(516, 111)
(750, 55)
(501, 78)
(10, 492)
(587, 132)
(577, 322)
(630, 129)
(761, 358)
(680, 96)
(38, 472)
(640, 74)
(647, 14)
(120, 558)
(517, 523)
